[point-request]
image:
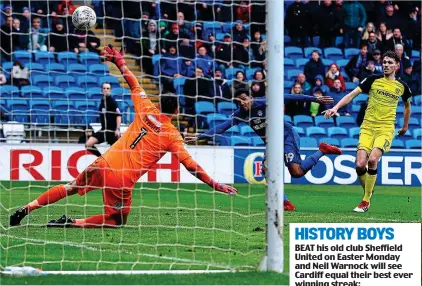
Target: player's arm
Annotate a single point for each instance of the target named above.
(218, 129)
(320, 99)
(196, 170)
(407, 110)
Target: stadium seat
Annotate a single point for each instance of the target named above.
(417, 134)
(178, 84)
(414, 144)
(17, 104)
(406, 136)
(89, 58)
(240, 141)
(249, 72)
(7, 66)
(417, 111)
(333, 53)
(327, 62)
(300, 63)
(316, 132)
(95, 93)
(230, 73)
(416, 55)
(9, 91)
(321, 121)
(350, 52)
(289, 62)
(246, 130)
(87, 81)
(32, 66)
(226, 108)
(204, 107)
(53, 92)
(299, 130)
(67, 58)
(288, 84)
(99, 69)
(307, 52)
(22, 56)
(361, 98)
(19, 110)
(292, 74)
(417, 99)
(227, 27)
(55, 67)
(303, 121)
(156, 64)
(44, 58)
(40, 116)
(293, 52)
(349, 143)
(112, 80)
(65, 118)
(39, 104)
(397, 144)
(331, 141)
(234, 130)
(342, 63)
(214, 119)
(77, 93)
(354, 132)
(120, 93)
(257, 141)
(62, 105)
(83, 105)
(77, 69)
(288, 119)
(218, 37)
(346, 121)
(337, 132)
(413, 122)
(400, 110)
(350, 85)
(42, 81)
(64, 81)
(308, 142)
(211, 27)
(31, 92)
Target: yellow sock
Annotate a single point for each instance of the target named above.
(369, 186)
(362, 180)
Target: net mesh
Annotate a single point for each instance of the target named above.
(51, 102)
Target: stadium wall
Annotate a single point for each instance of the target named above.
(59, 162)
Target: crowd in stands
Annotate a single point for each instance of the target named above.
(206, 50)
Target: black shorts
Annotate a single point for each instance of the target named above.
(105, 136)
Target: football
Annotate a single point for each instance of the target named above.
(84, 18)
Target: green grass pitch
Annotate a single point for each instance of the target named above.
(175, 227)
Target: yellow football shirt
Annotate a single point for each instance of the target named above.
(383, 99)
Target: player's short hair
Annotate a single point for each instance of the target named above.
(106, 83)
(392, 55)
(241, 91)
(168, 103)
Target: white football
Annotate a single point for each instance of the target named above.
(84, 18)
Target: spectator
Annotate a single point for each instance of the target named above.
(413, 29)
(329, 24)
(37, 38)
(170, 67)
(404, 61)
(25, 19)
(243, 11)
(377, 61)
(373, 43)
(337, 93)
(319, 81)
(87, 133)
(296, 23)
(184, 27)
(259, 48)
(3, 79)
(314, 67)
(144, 24)
(239, 32)
(211, 45)
(224, 53)
(391, 19)
(243, 54)
(219, 88)
(197, 34)
(197, 88)
(187, 68)
(173, 38)
(66, 5)
(9, 38)
(333, 74)
(186, 49)
(20, 74)
(7, 11)
(293, 108)
(367, 71)
(398, 39)
(85, 41)
(258, 15)
(240, 82)
(368, 29)
(205, 62)
(314, 107)
(23, 39)
(354, 21)
(357, 63)
(258, 87)
(383, 34)
(205, 9)
(407, 73)
(150, 46)
(304, 84)
(58, 40)
(416, 76)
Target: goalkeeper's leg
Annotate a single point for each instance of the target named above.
(96, 138)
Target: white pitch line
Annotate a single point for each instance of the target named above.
(363, 218)
(79, 245)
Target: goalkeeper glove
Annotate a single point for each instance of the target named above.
(112, 55)
(223, 188)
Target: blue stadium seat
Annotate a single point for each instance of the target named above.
(400, 110)
(346, 121)
(42, 80)
(397, 144)
(156, 64)
(333, 53)
(234, 130)
(416, 54)
(321, 121)
(289, 62)
(76, 93)
(218, 37)
(7, 67)
(112, 80)
(53, 92)
(327, 62)
(354, 132)
(9, 91)
(342, 63)
(39, 105)
(355, 110)
(204, 107)
(288, 84)
(44, 58)
(67, 58)
(240, 141)
(95, 93)
(307, 52)
(292, 74)
(413, 122)
(178, 84)
(316, 132)
(55, 67)
(40, 116)
(87, 81)
(350, 52)
(87, 117)
(83, 105)
(288, 119)
(246, 130)
(19, 110)
(417, 111)
(339, 41)
(17, 104)
(230, 73)
(214, 119)
(62, 105)
(211, 27)
(293, 52)
(299, 130)
(22, 56)
(257, 141)
(300, 63)
(361, 98)
(331, 141)
(77, 69)
(249, 72)
(120, 93)
(65, 118)
(64, 81)
(99, 69)
(31, 91)
(308, 142)
(32, 66)
(414, 144)
(337, 132)
(303, 121)
(227, 27)
(406, 136)
(417, 134)
(89, 58)
(417, 99)
(350, 85)
(349, 143)
(226, 108)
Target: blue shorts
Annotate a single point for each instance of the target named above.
(291, 147)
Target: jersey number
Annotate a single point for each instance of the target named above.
(139, 138)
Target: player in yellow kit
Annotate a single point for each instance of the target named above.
(377, 129)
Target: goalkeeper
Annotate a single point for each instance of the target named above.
(252, 112)
(147, 139)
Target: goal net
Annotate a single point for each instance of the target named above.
(204, 51)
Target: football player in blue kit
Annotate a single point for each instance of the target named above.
(252, 111)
